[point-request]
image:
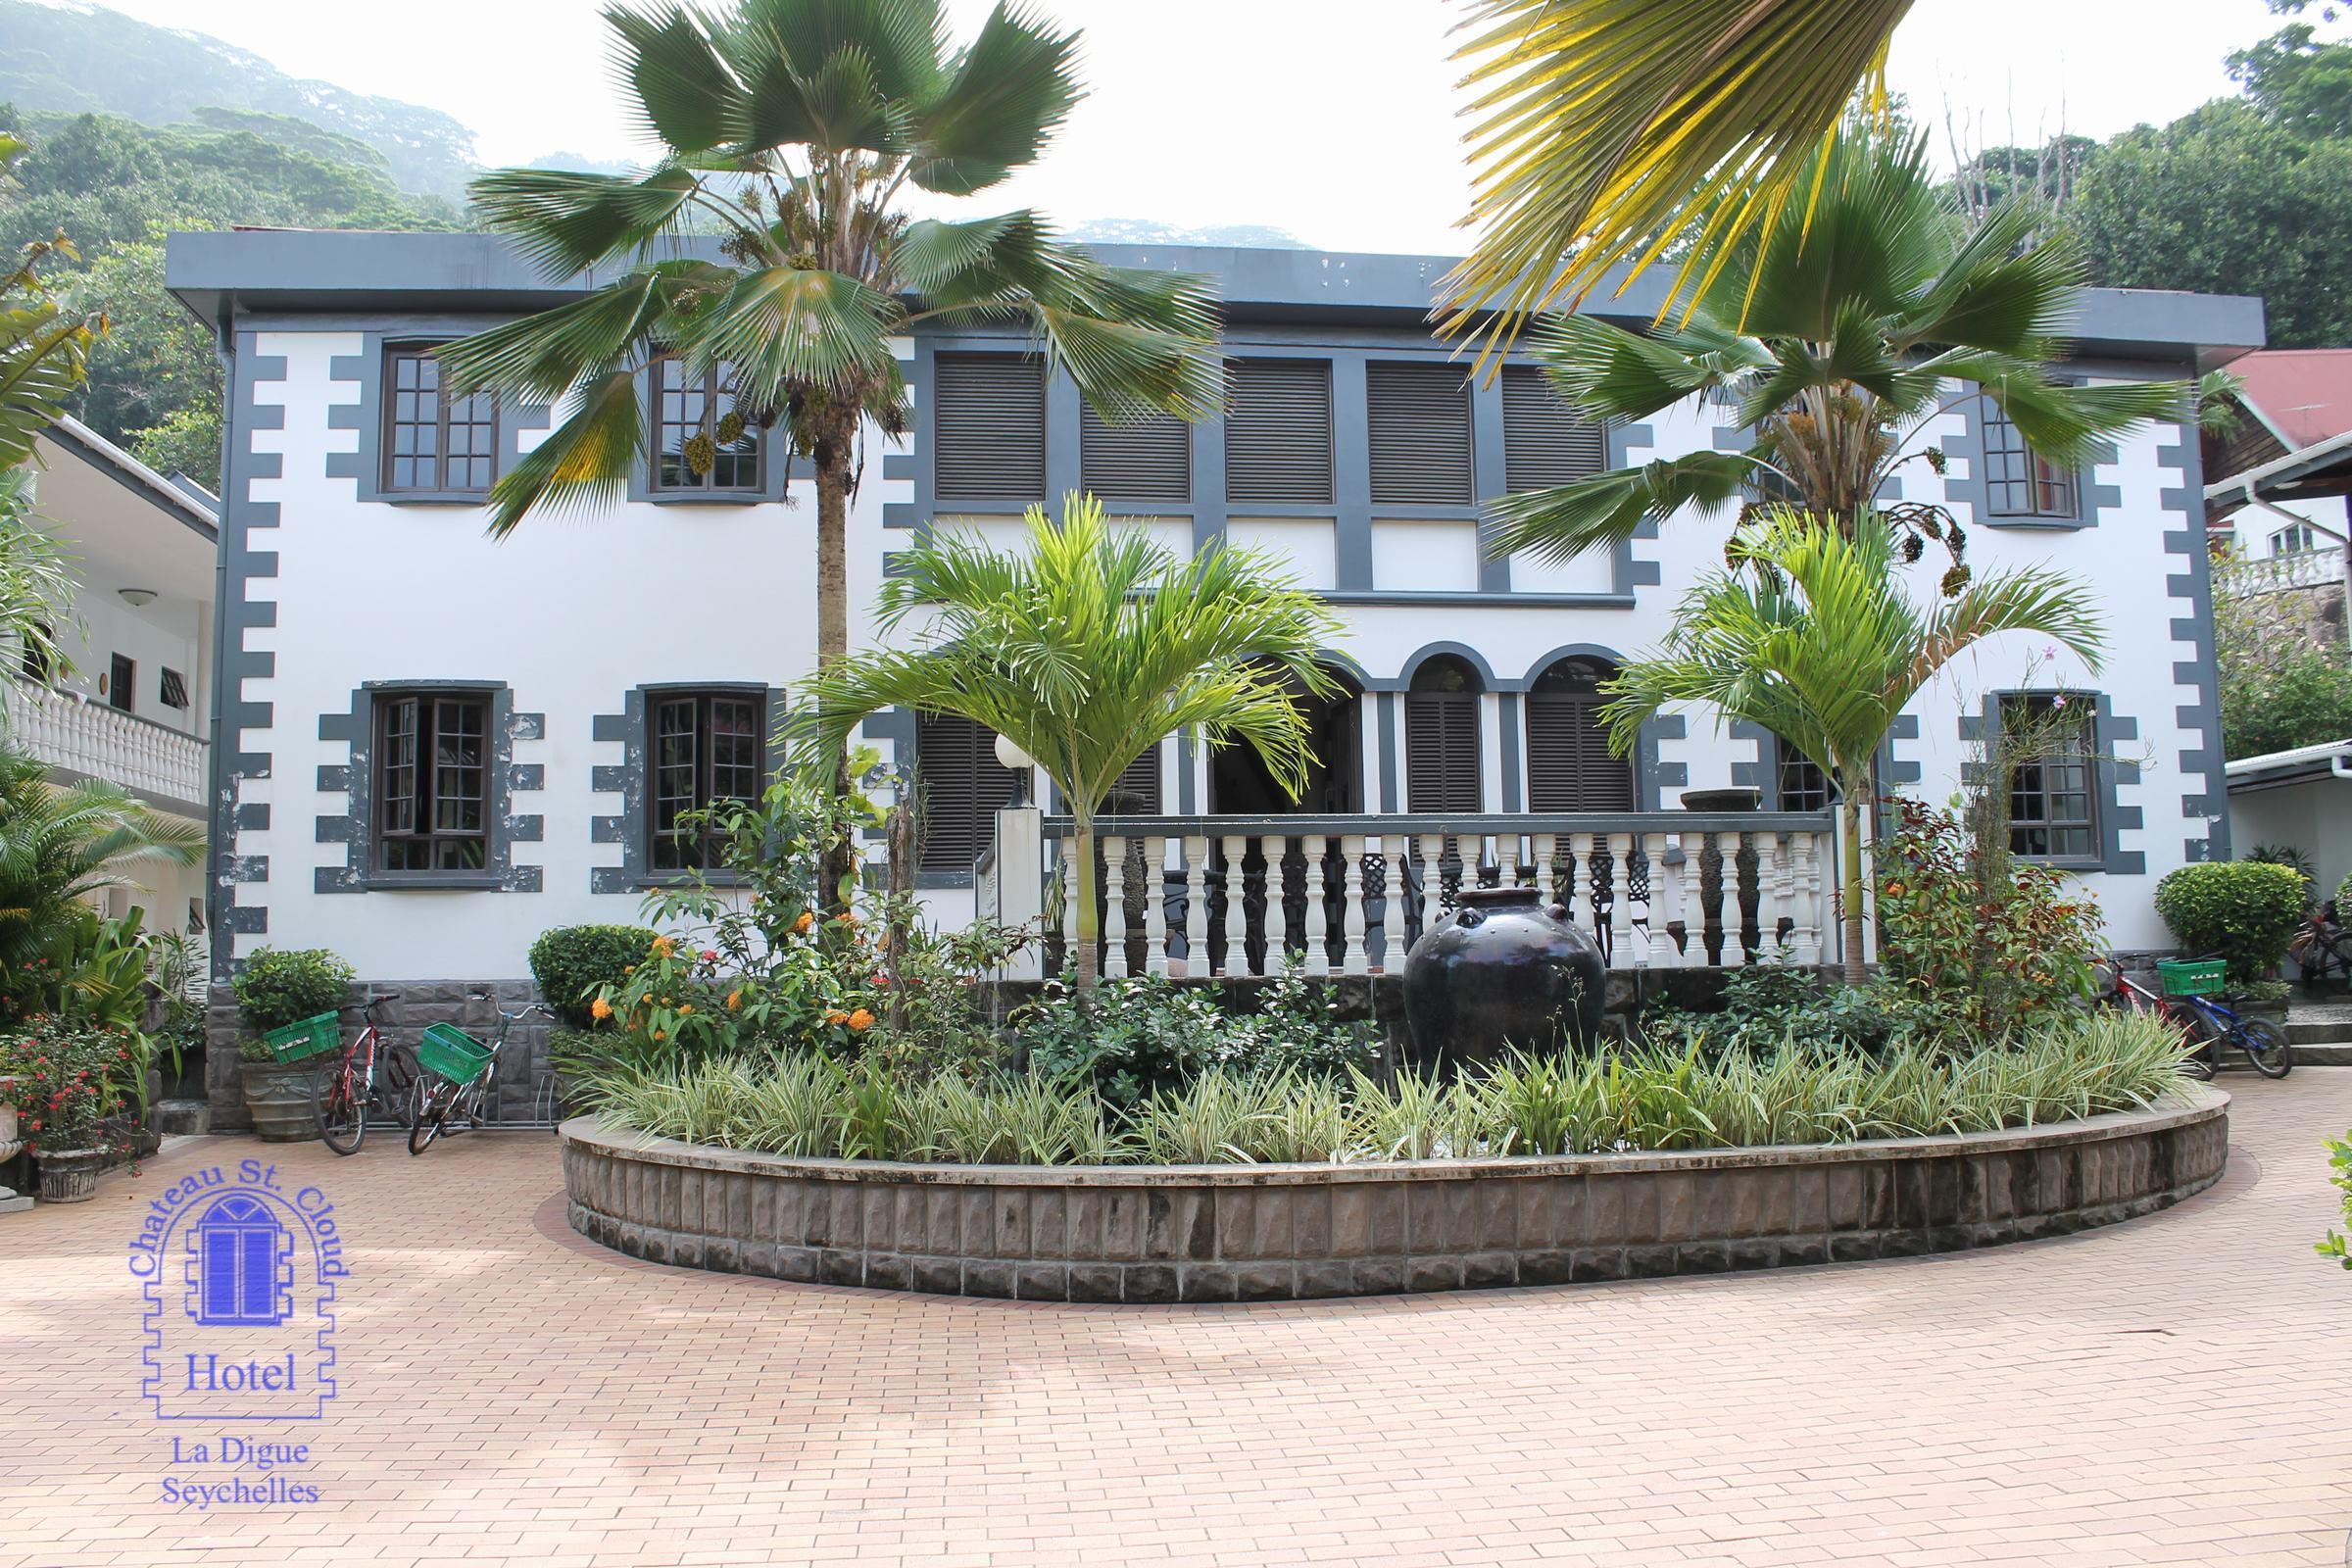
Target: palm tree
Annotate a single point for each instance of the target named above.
(1820, 645)
(43, 348)
(1845, 324)
(60, 845)
(1604, 133)
(789, 130)
(1087, 648)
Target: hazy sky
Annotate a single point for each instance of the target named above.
(1331, 120)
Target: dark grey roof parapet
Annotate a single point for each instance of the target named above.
(310, 269)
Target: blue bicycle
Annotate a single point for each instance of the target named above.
(2193, 987)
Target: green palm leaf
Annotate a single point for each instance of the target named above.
(1011, 90)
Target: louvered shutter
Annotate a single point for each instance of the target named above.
(988, 428)
(963, 786)
(1420, 434)
(1441, 751)
(1278, 432)
(1137, 790)
(1544, 442)
(1147, 458)
(1569, 766)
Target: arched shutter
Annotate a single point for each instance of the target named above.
(1441, 751)
(1569, 766)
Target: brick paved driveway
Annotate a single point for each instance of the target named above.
(2176, 1389)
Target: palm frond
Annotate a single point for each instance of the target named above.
(1011, 90)
(1605, 511)
(582, 463)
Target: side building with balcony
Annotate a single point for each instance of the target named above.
(132, 704)
(435, 746)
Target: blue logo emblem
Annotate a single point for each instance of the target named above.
(240, 1278)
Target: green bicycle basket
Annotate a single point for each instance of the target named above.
(299, 1041)
(2182, 977)
(450, 1052)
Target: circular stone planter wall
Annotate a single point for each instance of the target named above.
(1220, 1233)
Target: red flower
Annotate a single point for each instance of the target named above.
(709, 955)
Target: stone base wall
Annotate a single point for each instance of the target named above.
(420, 1002)
(1155, 1234)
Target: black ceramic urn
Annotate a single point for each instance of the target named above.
(1503, 971)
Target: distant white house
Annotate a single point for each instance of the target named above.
(2300, 799)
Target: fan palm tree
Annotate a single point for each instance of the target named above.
(1611, 132)
(791, 130)
(60, 845)
(1087, 648)
(1820, 645)
(1846, 324)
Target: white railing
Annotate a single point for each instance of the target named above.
(1348, 894)
(106, 743)
(2272, 574)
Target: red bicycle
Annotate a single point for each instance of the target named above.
(345, 1088)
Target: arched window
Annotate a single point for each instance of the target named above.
(1441, 738)
(242, 1256)
(1569, 764)
(1239, 783)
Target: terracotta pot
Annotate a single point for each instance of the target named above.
(277, 1095)
(69, 1175)
(1504, 970)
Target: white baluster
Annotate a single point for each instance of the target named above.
(1735, 956)
(1662, 878)
(1506, 861)
(1065, 871)
(1114, 907)
(1155, 905)
(1805, 940)
(1620, 903)
(1318, 951)
(1355, 959)
(1432, 880)
(1548, 875)
(1196, 907)
(1772, 887)
(1237, 920)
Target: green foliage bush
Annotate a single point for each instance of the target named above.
(572, 961)
(2343, 899)
(804, 1104)
(277, 987)
(72, 1080)
(1768, 1005)
(2244, 910)
(2336, 1245)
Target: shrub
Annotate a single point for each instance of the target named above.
(2244, 910)
(572, 961)
(71, 1080)
(2344, 898)
(1769, 1006)
(2336, 1245)
(278, 987)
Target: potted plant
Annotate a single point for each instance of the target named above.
(71, 1083)
(276, 989)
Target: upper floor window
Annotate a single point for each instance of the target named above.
(1798, 781)
(2053, 794)
(2020, 482)
(701, 442)
(1569, 764)
(1442, 743)
(121, 682)
(1278, 432)
(988, 428)
(434, 442)
(432, 774)
(1144, 458)
(1546, 443)
(1419, 433)
(962, 787)
(2295, 540)
(707, 753)
(173, 692)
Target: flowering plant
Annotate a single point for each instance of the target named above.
(72, 1079)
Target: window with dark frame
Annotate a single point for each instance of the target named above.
(432, 774)
(1442, 743)
(2053, 791)
(1799, 782)
(1569, 764)
(987, 424)
(1418, 428)
(1546, 443)
(121, 683)
(706, 752)
(1278, 439)
(38, 659)
(434, 442)
(174, 690)
(963, 786)
(1146, 458)
(2019, 482)
(690, 411)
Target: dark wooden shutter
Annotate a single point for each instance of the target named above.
(962, 787)
(1569, 767)
(1137, 791)
(1441, 751)
(988, 428)
(1544, 442)
(1147, 459)
(1278, 432)
(1420, 434)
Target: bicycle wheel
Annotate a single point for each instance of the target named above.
(337, 1109)
(430, 1110)
(2264, 1047)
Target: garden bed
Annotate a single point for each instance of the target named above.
(1271, 1232)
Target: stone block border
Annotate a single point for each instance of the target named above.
(1254, 1233)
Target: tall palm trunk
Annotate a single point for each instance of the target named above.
(832, 463)
(1850, 821)
(1089, 923)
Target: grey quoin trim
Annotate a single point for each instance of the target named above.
(2206, 798)
(355, 781)
(632, 827)
(365, 368)
(2109, 731)
(235, 714)
(1968, 447)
